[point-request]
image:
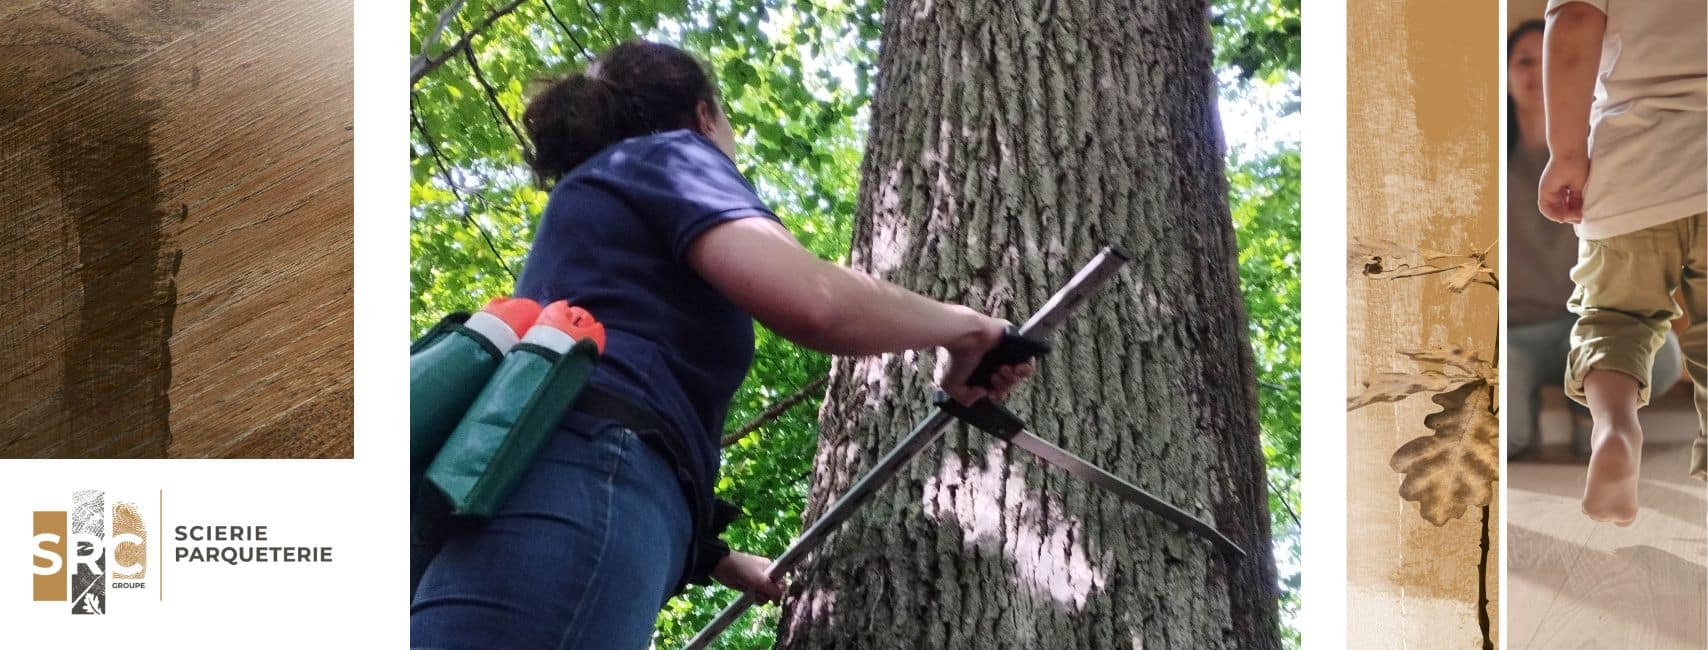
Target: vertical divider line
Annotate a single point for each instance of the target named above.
(1501, 215)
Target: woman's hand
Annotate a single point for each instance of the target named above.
(953, 369)
(744, 572)
(1560, 194)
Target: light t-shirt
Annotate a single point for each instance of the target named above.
(1648, 138)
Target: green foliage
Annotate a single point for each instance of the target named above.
(796, 76)
(1264, 193)
(1257, 51)
(1259, 39)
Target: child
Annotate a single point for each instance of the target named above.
(1640, 214)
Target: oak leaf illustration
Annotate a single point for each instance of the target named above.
(1455, 467)
(1385, 260)
(1396, 386)
(1468, 273)
(1457, 357)
(1454, 355)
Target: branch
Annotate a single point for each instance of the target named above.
(599, 19)
(1281, 496)
(445, 17)
(567, 31)
(1483, 585)
(863, 17)
(527, 152)
(445, 171)
(776, 410)
(423, 64)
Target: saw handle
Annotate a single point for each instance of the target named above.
(985, 415)
(1013, 349)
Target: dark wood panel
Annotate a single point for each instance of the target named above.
(51, 47)
(179, 266)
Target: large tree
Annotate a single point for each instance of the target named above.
(797, 78)
(1010, 141)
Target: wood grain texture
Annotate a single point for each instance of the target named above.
(1422, 134)
(52, 47)
(179, 271)
(1574, 583)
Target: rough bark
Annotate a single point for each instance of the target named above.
(1009, 142)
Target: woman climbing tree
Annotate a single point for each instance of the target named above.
(652, 229)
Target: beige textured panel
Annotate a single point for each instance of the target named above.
(1422, 110)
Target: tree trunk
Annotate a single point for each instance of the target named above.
(1010, 142)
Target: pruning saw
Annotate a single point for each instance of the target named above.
(1017, 346)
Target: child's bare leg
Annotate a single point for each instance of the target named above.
(1616, 447)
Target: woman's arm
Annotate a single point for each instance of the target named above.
(1571, 57)
(760, 267)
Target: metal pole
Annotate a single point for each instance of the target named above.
(1089, 278)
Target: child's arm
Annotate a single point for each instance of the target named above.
(1571, 57)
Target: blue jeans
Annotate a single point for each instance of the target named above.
(1536, 357)
(583, 555)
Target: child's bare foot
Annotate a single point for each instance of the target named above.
(1615, 460)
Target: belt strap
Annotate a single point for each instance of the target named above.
(600, 402)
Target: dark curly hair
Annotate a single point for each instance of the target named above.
(632, 89)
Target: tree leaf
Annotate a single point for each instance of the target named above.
(1455, 356)
(1461, 276)
(1455, 467)
(1388, 265)
(1361, 247)
(1385, 260)
(1396, 386)
(1468, 274)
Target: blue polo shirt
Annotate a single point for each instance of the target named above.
(612, 240)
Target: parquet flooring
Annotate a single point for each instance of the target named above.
(176, 270)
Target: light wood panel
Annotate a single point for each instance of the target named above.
(178, 264)
(1422, 163)
(1574, 583)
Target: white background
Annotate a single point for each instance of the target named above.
(1323, 285)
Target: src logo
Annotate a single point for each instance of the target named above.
(73, 551)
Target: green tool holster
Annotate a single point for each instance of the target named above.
(447, 368)
(516, 411)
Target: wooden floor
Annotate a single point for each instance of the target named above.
(1573, 583)
(176, 273)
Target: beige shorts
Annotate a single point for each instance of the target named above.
(1624, 302)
